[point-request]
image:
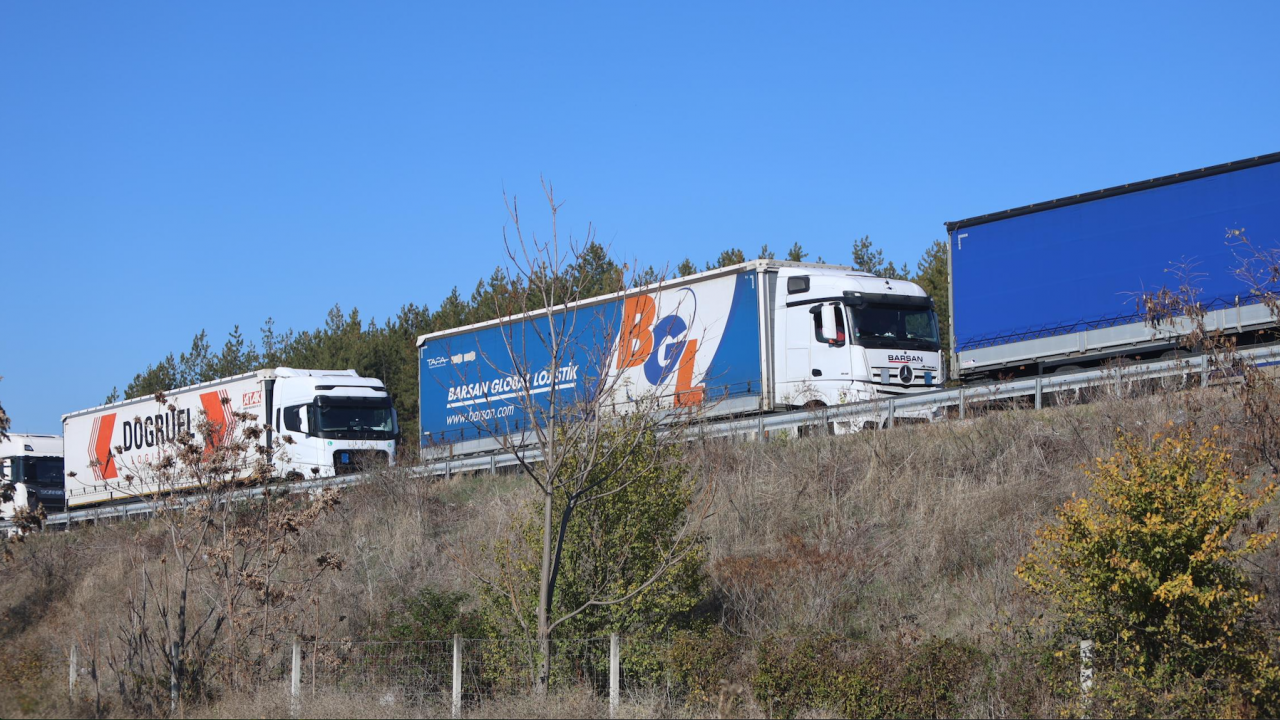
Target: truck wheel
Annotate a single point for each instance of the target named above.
(1064, 369)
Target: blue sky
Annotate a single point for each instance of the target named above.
(167, 167)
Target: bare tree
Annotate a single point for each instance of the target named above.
(229, 587)
(1181, 311)
(558, 389)
(23, 519)
(6, 485)
(4, 421)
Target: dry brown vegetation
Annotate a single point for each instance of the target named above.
(888, 539)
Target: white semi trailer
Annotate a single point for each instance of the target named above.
(33, 463)
(757, 337)
(338, 422)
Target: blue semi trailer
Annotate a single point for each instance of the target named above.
(754, 337)
(1056, 286)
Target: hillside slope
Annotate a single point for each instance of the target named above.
(875, 537)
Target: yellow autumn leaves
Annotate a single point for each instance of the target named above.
(1147, 563)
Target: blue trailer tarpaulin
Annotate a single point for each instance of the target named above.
(1084, 262)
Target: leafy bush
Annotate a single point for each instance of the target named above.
(700, 664)
(432, 615)
(1147, 565)
(614, 544)
(890, 679)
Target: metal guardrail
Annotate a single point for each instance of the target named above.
(885, 412)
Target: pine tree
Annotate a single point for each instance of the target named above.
(931, 274)
(732, 256)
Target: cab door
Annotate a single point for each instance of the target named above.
(818, 343)
(829, 357)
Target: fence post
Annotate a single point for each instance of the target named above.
(615, 656)
(457, 676)
(295, 680)
(71, 671)
(1086, 668)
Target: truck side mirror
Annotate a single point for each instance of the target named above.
(829, 326)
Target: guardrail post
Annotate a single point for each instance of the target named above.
(1204, 370)
(1039, 394)
(457, 676)
(615, 684)
(891, 409)
(960, 402)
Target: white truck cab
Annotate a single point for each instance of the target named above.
(339, 422)
(33, 463)
(848, 336)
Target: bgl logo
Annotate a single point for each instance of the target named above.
(661, 346)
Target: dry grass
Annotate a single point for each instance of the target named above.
(858, 535)
(924, 525)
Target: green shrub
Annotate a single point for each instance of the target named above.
(432, 615)
(1147, 566)
(698, 664)
(615, 542)
(888, 679)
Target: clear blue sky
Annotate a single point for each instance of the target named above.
(167, 167)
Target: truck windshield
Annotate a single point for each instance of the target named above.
(895, 326)
(37, 470)
(351, 422)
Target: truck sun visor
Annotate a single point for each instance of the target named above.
(862, 298)
(346, 401)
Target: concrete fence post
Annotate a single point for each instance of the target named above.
(1086, 668)
(615, 672)
(457, 676)
(295, 679)
(71, 671)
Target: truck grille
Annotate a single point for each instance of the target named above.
(891, 378)
(53, 499)
(346, 462)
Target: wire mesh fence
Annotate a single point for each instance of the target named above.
(461, 674)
